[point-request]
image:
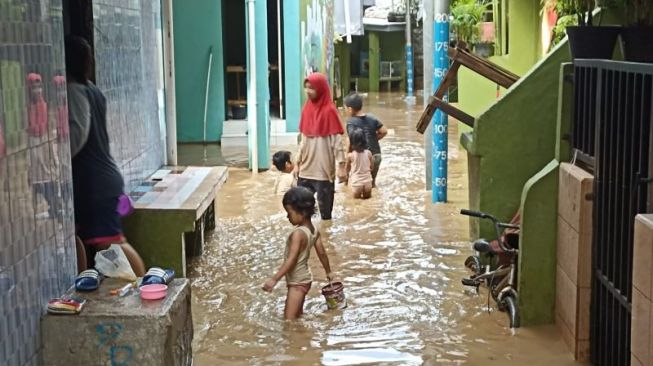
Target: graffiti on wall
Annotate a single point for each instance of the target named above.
(317, 36)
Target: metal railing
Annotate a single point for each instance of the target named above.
(613, 115)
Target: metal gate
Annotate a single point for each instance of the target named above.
(617, 97)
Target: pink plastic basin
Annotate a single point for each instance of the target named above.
(154, 292)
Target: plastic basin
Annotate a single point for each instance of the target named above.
(153, 292)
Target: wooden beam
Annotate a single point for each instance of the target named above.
(487, 69)
(454, 54)
(461, 56)
(451, 75)
(436, 103)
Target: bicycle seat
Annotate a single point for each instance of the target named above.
(482, 246)
(492, 247)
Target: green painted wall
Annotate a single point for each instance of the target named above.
(197, 27)
(537, 251)
(565, 112)
(343, 52)
(514, 139)
(375, 60)
(475, 93)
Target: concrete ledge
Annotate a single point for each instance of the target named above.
(122, 331)
(641, 333)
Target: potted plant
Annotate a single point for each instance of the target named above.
(466, 17)
(587, 40)
(637, 36)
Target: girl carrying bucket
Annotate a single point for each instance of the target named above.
(299, 203)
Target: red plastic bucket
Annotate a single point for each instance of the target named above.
(334, 295)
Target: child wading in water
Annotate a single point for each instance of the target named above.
(299, 203)
(360, 164)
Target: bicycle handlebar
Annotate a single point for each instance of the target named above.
(473, 213)
(509, 226)
(497, 225)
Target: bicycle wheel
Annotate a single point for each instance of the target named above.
(473, 263)
(509, 303)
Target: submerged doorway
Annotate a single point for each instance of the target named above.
(235, 55)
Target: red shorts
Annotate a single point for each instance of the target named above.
(303, 287)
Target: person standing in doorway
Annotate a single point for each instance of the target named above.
(321, 154)
(97, 181)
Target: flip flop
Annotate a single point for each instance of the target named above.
(158, 276)
(88, 280)
(65, 305)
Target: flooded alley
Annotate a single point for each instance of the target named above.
(399, 256)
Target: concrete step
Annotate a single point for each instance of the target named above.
(284, 139)
(239, 127)
(276, 139)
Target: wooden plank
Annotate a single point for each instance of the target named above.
(487, 69)
(457, 53)
(452, 74)
(237, 102)
(461, 56)
(236, 69)
(437, 103)
(454, 112)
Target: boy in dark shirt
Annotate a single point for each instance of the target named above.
(371, 126)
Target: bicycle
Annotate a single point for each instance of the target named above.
(503, 252)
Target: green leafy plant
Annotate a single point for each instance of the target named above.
(639, 12)
(566, 17)
(466, 16)
(559, 31)
(583, 10)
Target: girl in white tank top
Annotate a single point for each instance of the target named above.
(299, 203)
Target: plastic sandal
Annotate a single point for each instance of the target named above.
(65, 306)
(158, 276)
(88, 280)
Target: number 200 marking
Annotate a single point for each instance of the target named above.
(442, 18)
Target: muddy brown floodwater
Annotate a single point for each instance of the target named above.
(401, 259)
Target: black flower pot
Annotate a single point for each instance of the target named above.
(484, 50)
(396, 17)
(638, 43)
(595, 42)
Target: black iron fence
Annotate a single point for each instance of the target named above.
(585, 79)
(612, 131)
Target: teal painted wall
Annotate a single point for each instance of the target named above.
(197, 27)
(262, 84)
(292, 61)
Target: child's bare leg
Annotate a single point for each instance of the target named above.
(356, 192)
(82, 264)
(135, 260)
(367, 191)
(294, 303)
